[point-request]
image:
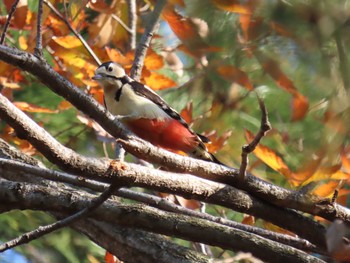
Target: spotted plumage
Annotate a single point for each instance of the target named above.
(147, 114)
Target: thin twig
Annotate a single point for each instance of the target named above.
(38, 51)
(132, 21)
(146, 40)
(343, 60)
(7, 24)
(82, 40)
(248, 148)
(44, 230)
(120, 21)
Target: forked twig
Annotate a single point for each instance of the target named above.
(44, 230)
(265, 126)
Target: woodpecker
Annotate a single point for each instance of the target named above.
(147, 115)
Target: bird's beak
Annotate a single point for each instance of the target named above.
(97, 77)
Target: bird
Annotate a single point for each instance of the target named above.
(147, 115)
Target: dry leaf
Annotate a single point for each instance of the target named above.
(232, 73)
(25, 106)
(269, 157)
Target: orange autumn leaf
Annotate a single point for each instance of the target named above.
(188, 203)
(19, 17)
(269, 157)
(182, 26)
(232, 6)
(25, 106)
(153, 61)
(305, 172)
(326, 189)
(118, 57)
(232, 73)
(110, 258)
(187, 113)
(248, 220)
(217, 142)
(64, 105)
(251, 27)
(271, 67)
(98, 94)
(300, 106)
(159, 82)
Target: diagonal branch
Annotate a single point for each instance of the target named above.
(145, 41)
(8, 21)
(82, 40)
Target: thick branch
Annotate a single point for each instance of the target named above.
(126, 243)
(26, 196)
(10, 169)
(133, 245)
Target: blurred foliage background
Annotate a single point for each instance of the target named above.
(209, 60)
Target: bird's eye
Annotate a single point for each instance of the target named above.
(110, 69)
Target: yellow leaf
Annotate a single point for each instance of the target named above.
(269, 157)
(68, 41)
(22, 41)
(232, 6)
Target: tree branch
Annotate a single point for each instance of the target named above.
(38, 51)
(26, 196)
(44, 230)
(8, 21)
(265, 126)
(34, 172)
(145, 41)
(264, 190)
(132, 22)
(134, 245)
(126, 243)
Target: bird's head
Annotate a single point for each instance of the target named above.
(108, 73)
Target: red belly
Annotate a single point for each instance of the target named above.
(169, 134)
